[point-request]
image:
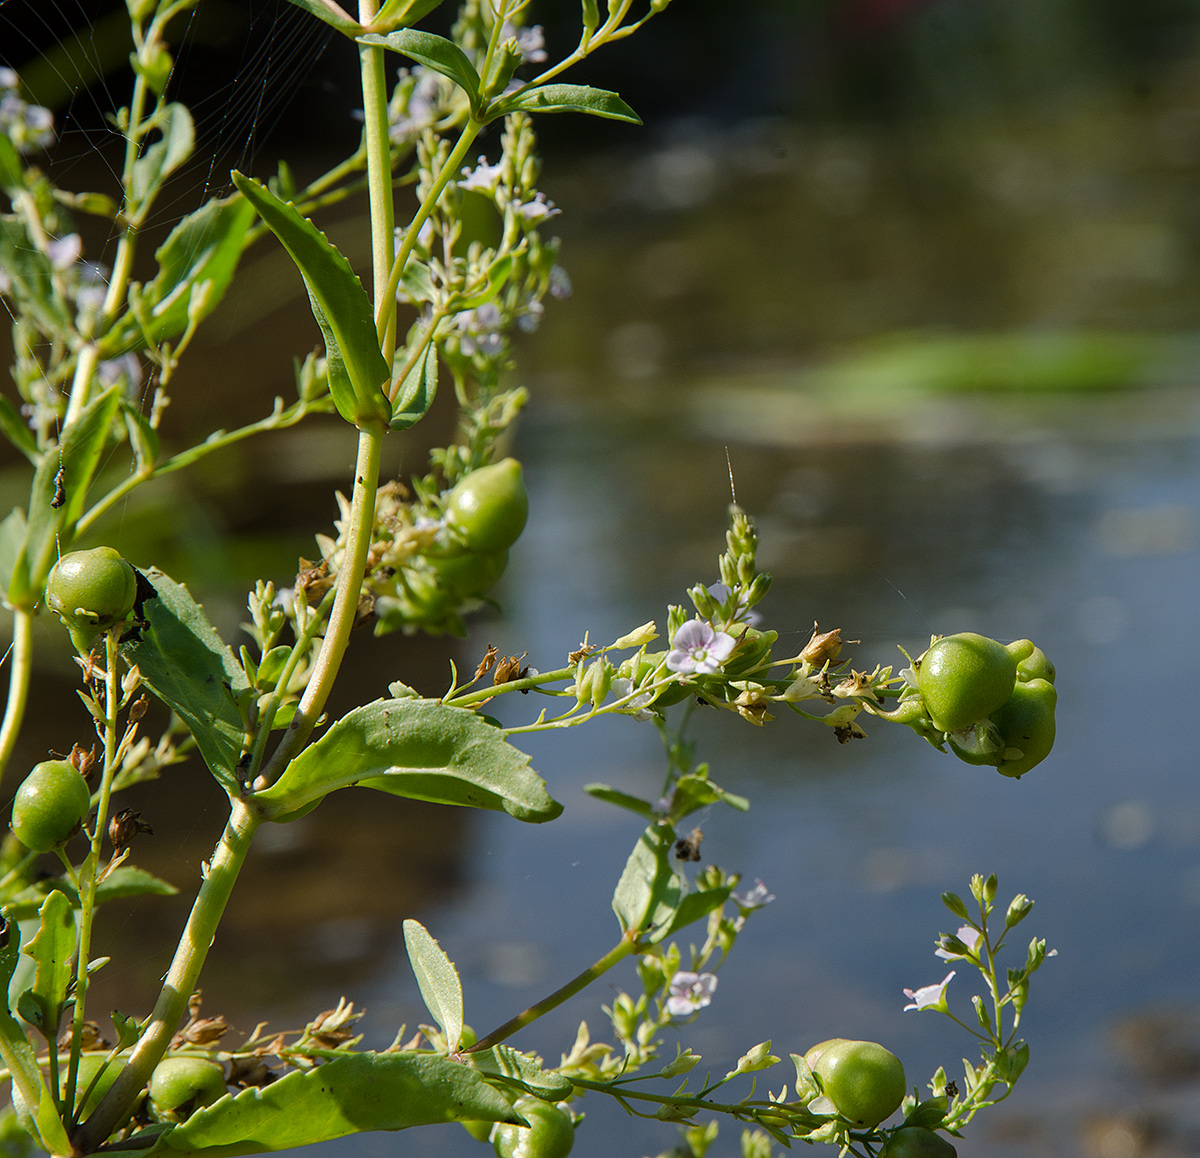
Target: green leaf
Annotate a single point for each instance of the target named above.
(31, 1100)
(205, 246)
(351, 1094)
(52, 528)
(649, 892)
(565, 98)
(497, 275)
(31, 280)
(695, 790)
(142, 436)
(417, 390)
(12, 170)
(400, 13)
(126, 881)
(621, 799)
(187, 665)
(523, 1068)
(693, 907)
(15, 429)
(438, 981)
(332, 14)
(12, 539)
(163, 157)
(420, 749)
(340, 306)
(591, 15)
(52, 948)
(806, 1084)
(435, 52)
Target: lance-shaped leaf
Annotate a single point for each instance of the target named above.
(435, 52)
(565, 98)
(438, 981)
(332, 14)
(163, 157)
(348, 1095)
(619, 798)
(187, 665)
(60, 486)
(420, 749)
(340, 305)
(51, 948)
(126, 881)
(521, 1068)
(401, 13)
(651, 898)
(417, 390)
(204, 247)
(32, 1101)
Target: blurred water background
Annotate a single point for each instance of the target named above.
(929, 272)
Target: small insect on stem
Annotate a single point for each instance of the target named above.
(60, 489)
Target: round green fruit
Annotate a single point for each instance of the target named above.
(1035, 666)
(91, 591)
(863, 1080)
(964, 678)
(180, 1085)
(550, 1133)
(917, 1142)
(1026, 726)
(471, 573)
(487, 509)
(50, 805)
(814, 1052)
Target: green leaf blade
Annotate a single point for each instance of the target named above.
(435, 52)
(419, 749)
(417, 390)
(340, 305)
(438, 981)
(187, 665)
(52, 948)
(348, 1095)
(566, 98)
(648, 894)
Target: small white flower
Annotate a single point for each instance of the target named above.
(929, 996)
(754, 898)
(484, 178)
(698, 648)
(560, 283)
(64, 252)
(637, 706)
(968, 936)
(9, 78)
(690, 992)
(535, 211)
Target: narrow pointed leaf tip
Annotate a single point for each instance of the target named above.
(566, 98)
(438, 981)
(358, 370)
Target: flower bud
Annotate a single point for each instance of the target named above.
(1018, 910)
(955, 904)
(639, 637)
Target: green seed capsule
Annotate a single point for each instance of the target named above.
(50, 805)
(487, 510)
(91, 591)
(964, 678)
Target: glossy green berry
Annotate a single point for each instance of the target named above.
(50, 805)
(550, 1133)
(964, 678)
(180, 1085)
(470, 573)
(91, 591)
(814, 1051)
(1026, 726)
(863, 1080)
(486, 510)
(917, 1142)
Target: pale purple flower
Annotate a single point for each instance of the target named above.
(968, 936)
(560, 283)
(480, 330)
(484, 178)
(690, 992)
(697, 648)
(64, 252)
(720, 592)
(754, 898)
(929, 996)
(535, 211)
(125, 367)
(637, 707)
(9, 78)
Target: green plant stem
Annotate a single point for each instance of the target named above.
(20, 658)
(180, 982)
(379, 185)
(91, 873)
(617, 953)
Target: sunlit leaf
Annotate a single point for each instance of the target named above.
(420, 749)
(332, 14)
(187, 665)
(348, 1095)
(400, 13)
(438, 981)
(52, 948)
(648, 894)
(621, 799)
(165, 155)
(435, 52)
(417, 390)
(340, 305)
(565, 98)
(504, 1061)
(125, 881)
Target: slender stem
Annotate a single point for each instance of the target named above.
(617, 953)
(180, 982)
(379, 185)
(20, 659)
(91, 869)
